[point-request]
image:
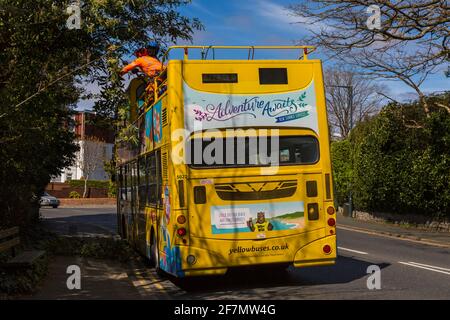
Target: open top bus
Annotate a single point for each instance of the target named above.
(232, 167)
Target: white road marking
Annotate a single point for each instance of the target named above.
(351, 250)
(426, 267)
(391, 236)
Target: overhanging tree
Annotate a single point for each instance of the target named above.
(411, 43)
(44, 63)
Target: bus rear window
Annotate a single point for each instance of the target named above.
(253, 151)
(298, 150)
(273, 76)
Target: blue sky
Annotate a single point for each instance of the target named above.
(255, 22)
(267, 22)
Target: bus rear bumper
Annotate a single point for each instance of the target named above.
(208, 262)
(314, 253)
(205, 262)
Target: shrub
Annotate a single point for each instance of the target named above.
(342, 170)
(23, 280)
(74, 195)
(112, 190)
(399, 161)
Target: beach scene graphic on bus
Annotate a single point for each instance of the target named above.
(264, 217)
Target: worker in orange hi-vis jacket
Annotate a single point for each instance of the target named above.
(147, 62)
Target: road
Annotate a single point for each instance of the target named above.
(100, 221)
(409, 270)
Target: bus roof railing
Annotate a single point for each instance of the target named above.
(305, 50)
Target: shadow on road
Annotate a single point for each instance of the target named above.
(269, 282)
(346, 270)
(102, 224)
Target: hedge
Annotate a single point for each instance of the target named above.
(398, 161)
(90, 184)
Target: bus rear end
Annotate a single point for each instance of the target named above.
(256, 185)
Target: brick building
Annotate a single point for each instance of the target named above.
(96, 144)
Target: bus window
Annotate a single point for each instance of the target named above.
(299, 150)
(128, 181)
(293, 150)
(122, 187)
(125, 183)
(273, 76)
(142, 134)
(140, 90)
(159, 178)
(142, 183)
(147, 179)
(133, 170)
(152, 179)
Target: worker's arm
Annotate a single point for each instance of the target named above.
(130, 67)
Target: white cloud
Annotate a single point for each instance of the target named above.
(283, 17)
(196, 4)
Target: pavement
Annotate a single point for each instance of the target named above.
(414, 264)
(101, 279)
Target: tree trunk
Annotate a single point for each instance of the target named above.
(85, 186)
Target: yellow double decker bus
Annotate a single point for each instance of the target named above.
(233, 165)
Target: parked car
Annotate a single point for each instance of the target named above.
(49, 200)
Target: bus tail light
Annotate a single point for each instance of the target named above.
(330, 210)
(326, 249)
(181, 219)
(331, 222)
(181, 232)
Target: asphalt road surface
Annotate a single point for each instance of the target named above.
(409, 270)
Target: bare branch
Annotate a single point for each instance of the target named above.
(365, 100)
(412, 42)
